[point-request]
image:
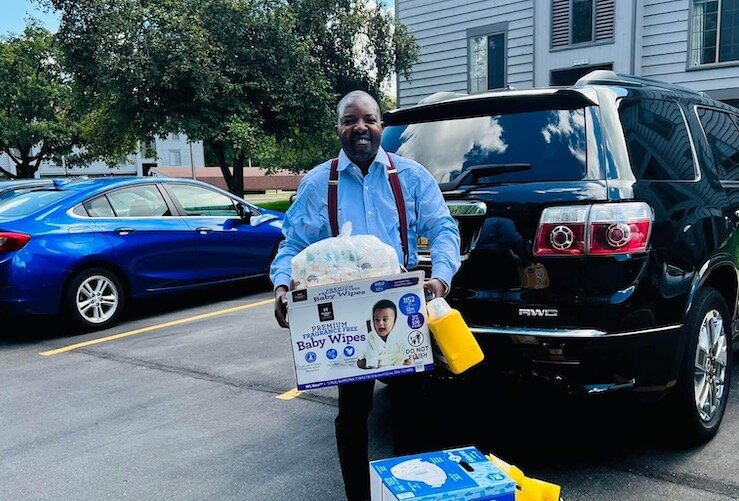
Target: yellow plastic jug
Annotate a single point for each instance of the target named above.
(456, 343)
(528, 488)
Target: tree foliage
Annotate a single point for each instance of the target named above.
(255, 79)
(359, 44)
(37, 115)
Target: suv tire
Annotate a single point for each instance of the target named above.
(698, 403)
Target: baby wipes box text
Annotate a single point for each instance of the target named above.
(361, 329)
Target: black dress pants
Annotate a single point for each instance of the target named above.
(409, 425)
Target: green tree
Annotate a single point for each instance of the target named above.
(359, 44)
(37, 114)
(251, 78)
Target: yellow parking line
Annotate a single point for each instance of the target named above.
(153, 328)
(289, 395)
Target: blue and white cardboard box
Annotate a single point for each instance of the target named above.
(462, 474)
(331, 325)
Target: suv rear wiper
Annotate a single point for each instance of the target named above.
(474, 176)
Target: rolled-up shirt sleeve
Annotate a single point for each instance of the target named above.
(436, 224)
(303, 225)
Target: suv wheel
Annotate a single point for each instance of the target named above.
(703, 384)
(94, 299)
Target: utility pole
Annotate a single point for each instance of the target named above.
(192, 162)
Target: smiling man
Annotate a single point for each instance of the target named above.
(396, 200)
(359, 129)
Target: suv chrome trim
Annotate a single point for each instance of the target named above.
(593, 389)
(467, 208)
(425, 259)
(565, 333)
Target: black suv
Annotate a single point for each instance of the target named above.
(599, 233)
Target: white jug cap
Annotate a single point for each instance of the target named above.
(438, 307)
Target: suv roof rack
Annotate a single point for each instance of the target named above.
(610, 77)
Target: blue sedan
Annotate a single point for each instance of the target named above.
(87, 248)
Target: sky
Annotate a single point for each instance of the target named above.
(13, 17)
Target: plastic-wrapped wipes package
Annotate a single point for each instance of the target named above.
(341, 258)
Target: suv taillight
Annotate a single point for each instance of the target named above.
(597, 230)
(12, 241)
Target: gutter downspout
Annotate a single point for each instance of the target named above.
(632, 68)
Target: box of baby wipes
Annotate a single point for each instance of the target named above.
(462, 474)
(359, 329)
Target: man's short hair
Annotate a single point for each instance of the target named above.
(355, 94)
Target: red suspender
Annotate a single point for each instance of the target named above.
(333, 188)
(400, 204)
(333, 185)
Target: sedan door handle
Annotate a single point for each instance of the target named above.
(124, 231)
(203, 230)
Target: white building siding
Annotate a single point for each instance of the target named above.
(651, 38)
(665, 37)
(134, 166)
(616, 52)
(440, 27)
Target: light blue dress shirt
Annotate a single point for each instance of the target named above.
(369, 204)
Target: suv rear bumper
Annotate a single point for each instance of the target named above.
(587, 361)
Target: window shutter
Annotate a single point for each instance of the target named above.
(604, 21)
(560, 23)
(604, 14)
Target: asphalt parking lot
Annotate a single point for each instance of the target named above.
(192, 400)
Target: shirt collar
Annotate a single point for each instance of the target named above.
(381, 158)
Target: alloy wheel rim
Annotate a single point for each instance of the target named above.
(710, 365)
(97, 299)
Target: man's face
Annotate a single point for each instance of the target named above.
(359, 131)
(384, 319)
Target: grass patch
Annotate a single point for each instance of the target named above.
(278, 205)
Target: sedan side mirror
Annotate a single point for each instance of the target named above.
(245, 212)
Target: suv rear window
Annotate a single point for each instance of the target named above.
(547, 145)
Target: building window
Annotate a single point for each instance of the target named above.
(582, 21)
(175, 158)
(714, 36)
(173, 136)
(486, 60)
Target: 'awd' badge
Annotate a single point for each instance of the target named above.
(538, 312)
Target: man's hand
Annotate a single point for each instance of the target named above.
(436, 287)
(281, 306)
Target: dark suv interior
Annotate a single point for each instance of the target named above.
(599, 227)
